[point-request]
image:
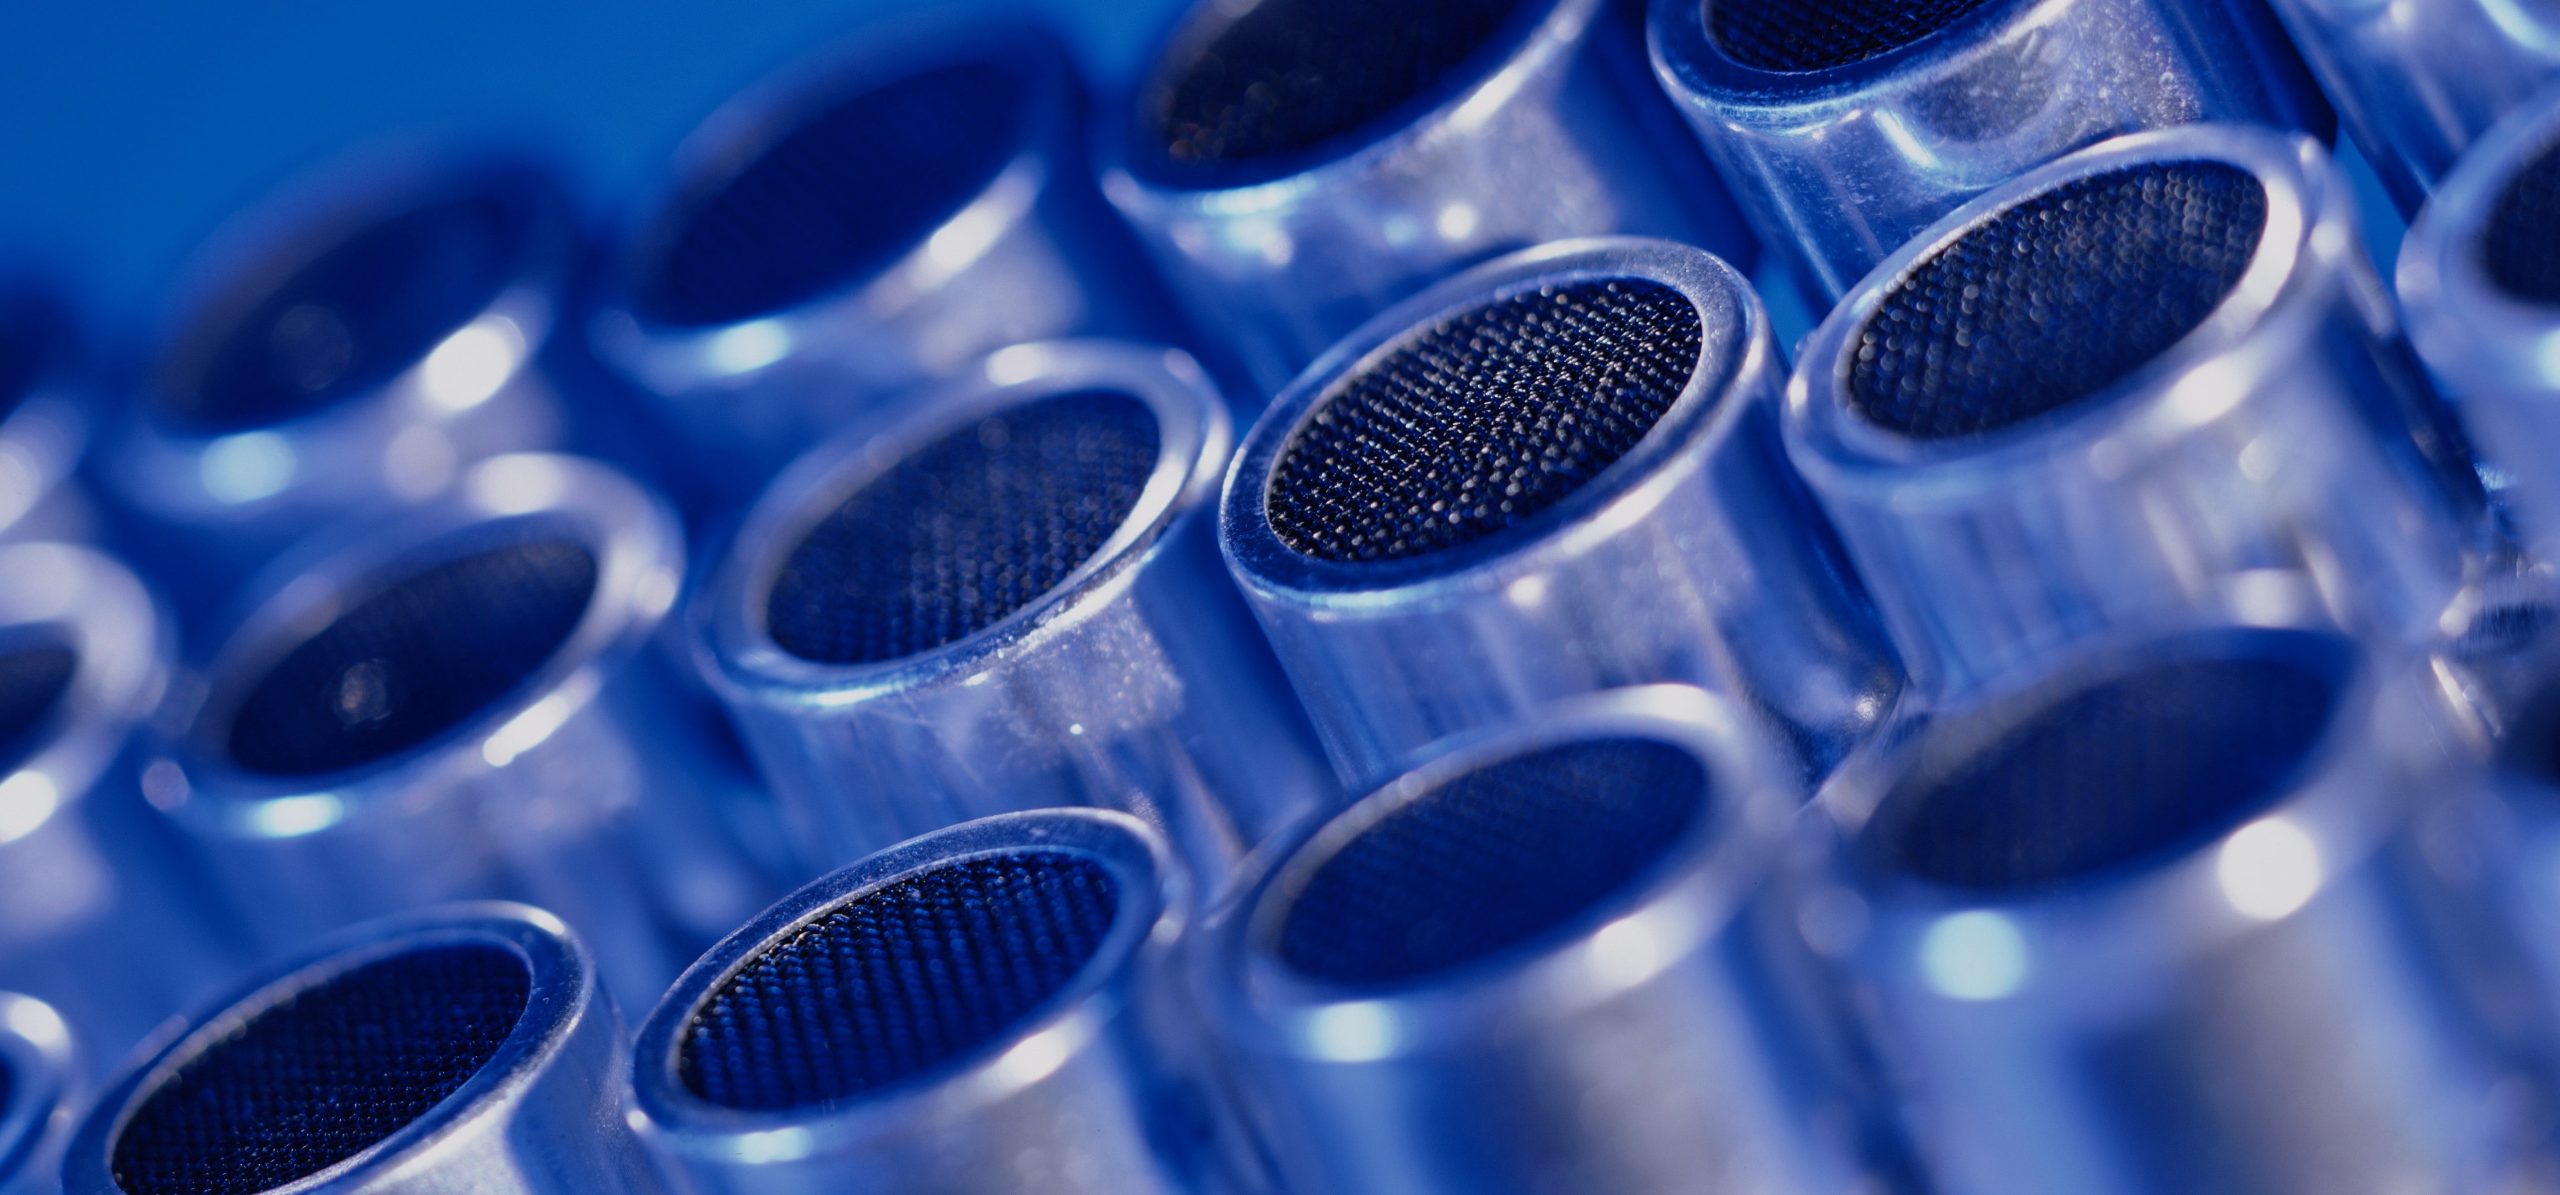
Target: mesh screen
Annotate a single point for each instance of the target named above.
(33, 678)
(1482, 422)
(1790, 36)
(2518, 248)
(838, 197)
(413, 658)
(899, 981)
(324, 1076)
(1491, 861)
(359, 314)
(2055, 299)
(1290, 75)
(2134, 768)
(956, 537)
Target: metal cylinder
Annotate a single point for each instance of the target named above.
(460, 698)
(358, 340)
(38, 1077)
(1550, 959)
(1009, 597)
(1297, 165)
(1846, 129)
(2150, 382)
(45, 417)
(2156, 918)
(1556, 473)
(2417, 81)
(879, 217)
(467, 1048)
(988, 1009)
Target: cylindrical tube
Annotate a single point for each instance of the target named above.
(37, 1082)
(989, 1009)
(45, 417)
(2416, 81)
(1846, 129)
(1297, 165)
(1556, 473)
(1550, 959)
(1009, 597)
(468, 1048)
(357, 341)
(2153, 381)
(885, 215)
(460, 698)
(2155, 918)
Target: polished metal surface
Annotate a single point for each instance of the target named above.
(1547, 130)
(38, 1081)
(1838, 167)
(1695, 558)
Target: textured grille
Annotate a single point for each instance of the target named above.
(2055, 299)
(1482, 422)
(899, 980)
(33, 678)
(958, 536)
(1491, 861)
(832, 200)
(1793, 36)
(2130, 769)
(359, 314)
(324, 1076)
(2518, 247)
(1291, 75)
(414, 658)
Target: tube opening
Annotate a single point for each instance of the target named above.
(2054, 299)
(1788, 37)
(900, 981)
(1486, 864)
(965, 532)
(2517, 248)
(833, 197)
(1479, 424)
(413, 654)
(324, 1074)
(36, 671)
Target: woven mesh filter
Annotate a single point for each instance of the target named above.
(838, 197)
(413, 657)
(899, 981)
(2136, 768)
(2518, 247)
(33, 678)
(1491, 861)
(1480, 423)
(2055, 299)
(1794, 36)
(965, 532)
(1289, 76)
(359, 314)
(324, 1076)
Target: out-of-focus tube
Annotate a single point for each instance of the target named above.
(37, 1082)
(45, 417)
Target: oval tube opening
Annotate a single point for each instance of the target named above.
(2516, 247)
(36, 671)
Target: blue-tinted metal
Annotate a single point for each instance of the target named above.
(1838, 166)
(1547, 129)
(539, 1117)
(45, 417)
(2158, 916)
(37, 1083)
(1695, 558)
(1137, 683)
(1655, 1039)
(584, 785)
(1101, 1090)
(2279, 447)
(960, 218)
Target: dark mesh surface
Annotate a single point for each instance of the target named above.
(322, 1077)
(362, 312)
(414, 658)
(832, 200)
(1791, 36)
(33, 676)
(899, 981)
(2519, 247)
(1491, 861)
(1479, 424)
(960, 535)
(2136, 768)
(2055, 299)
(1292, 75)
